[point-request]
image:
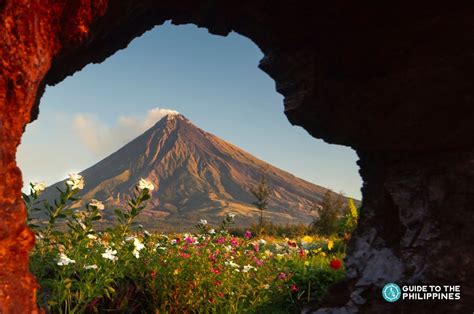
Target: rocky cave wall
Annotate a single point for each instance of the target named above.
(393, 80)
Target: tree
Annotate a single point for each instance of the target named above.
(261, 191)
(329, 212)
(350, 219)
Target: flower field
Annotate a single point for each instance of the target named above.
(127, 269)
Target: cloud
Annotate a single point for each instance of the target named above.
(144, 123)
(102, 139)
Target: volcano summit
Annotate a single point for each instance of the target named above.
(197, 175)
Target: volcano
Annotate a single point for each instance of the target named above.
(196, 176)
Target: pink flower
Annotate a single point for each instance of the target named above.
(234, 242)
(258, 262)
(292, 243)
(189, 240)
(282, 276)
(256, 247)
(247, 234)
(220, 240)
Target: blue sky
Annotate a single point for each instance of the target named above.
(214, 81)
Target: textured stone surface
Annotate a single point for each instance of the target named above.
(392, 80)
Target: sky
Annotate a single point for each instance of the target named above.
(214, 81)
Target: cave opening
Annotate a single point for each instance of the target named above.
(214, 81)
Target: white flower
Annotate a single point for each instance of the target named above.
(232, 216)
(262, 241)
(266, 287)
(64, 260)
(38, 187)
(76, 181)
(173, 241)
(145, 184)
(203, 222)
(146, 233)
(97, 204)
(159, 247)
(90, 266)
(110, 254)
(91, 236)
(138, 246)
(212, 231)
(247, 268)
(231, 263)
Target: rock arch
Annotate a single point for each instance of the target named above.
(391, 80)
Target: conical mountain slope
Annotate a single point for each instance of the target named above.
(197, 175)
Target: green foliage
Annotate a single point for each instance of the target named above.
(335, 215)
(275, 230)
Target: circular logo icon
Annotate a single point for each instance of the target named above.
(391, 292)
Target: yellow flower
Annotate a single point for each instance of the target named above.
(330, 245)
(307, 239)
(306, 263)
(176, 271)
(323, 254)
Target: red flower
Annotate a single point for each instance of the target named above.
(335, 263)
(302, 253)
(185, 255)
(294, 288)
(153, 274)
